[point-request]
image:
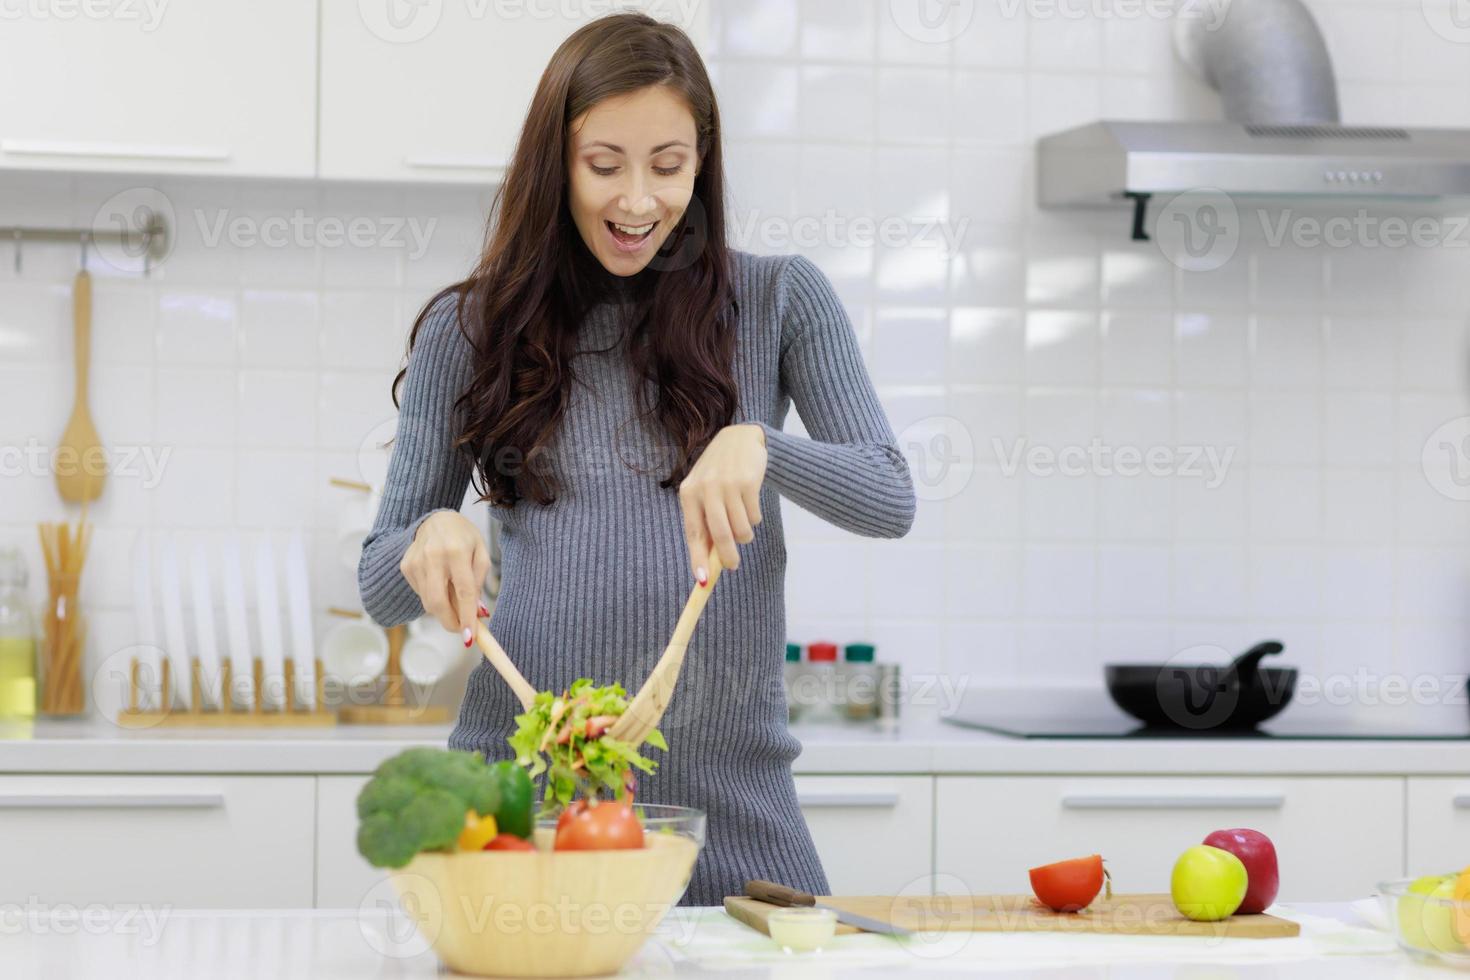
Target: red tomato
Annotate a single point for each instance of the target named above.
(1069, 886)
(607, 826)
(509, 842)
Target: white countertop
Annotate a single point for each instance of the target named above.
(917, 746)
(326, 945)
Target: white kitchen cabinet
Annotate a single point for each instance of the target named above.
(1335, 838)
(343, 878)
(440, 94)
(874, 834)
(180, 841)
(1438, 832)
(226, 87)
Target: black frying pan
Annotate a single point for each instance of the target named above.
(1204, 697)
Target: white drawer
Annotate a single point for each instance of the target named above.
(183, 841)
(873, 833)
(991, 830)
(343, 877)
(1439, 825)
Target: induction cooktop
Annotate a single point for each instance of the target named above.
(1043, 716)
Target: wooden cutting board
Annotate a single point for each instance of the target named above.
(1122, 915)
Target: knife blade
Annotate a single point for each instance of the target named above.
(774, 894)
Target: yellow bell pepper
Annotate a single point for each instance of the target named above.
(478, 831)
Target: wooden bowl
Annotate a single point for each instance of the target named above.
(551, 913)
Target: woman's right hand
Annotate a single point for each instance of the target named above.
(446, 565)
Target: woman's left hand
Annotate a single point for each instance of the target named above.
(721, 496)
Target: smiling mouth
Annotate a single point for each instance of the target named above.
(630, 237)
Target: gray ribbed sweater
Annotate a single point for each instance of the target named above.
(593, 584)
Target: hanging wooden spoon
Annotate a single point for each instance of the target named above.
(85, 472)
(648, 706)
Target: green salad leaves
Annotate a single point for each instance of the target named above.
(563, 736)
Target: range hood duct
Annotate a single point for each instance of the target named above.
(1267, 59)
(1281, 136)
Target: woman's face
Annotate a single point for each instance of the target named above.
(632, 164)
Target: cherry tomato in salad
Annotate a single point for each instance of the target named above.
(1069, 886)
(607, 826)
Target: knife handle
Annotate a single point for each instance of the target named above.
(769, 891)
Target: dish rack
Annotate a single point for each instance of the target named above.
(198, 714)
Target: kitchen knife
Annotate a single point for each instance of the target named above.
(774, 894)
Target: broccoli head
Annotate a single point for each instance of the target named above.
(417, 800)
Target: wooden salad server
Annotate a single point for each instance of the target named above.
(500, 660)
(647, 707)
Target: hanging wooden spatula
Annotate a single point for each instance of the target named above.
(647, 707)
(83, 479)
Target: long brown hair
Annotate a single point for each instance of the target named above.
(536, 279)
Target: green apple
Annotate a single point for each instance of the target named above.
(1429, 925)
(1208, 883)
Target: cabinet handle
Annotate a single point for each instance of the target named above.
(112, 801)
(1462, 802)
(1196, 801)
(62, 148)
(848, 800)
(454, 163)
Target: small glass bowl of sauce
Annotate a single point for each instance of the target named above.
(802, 930)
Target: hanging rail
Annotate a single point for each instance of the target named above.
(149, 238)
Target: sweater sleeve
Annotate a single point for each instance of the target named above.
(850, 471)
(425, 473)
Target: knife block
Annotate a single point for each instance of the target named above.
(394, 709)
(197, 715)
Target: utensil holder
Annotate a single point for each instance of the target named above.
(63, 647)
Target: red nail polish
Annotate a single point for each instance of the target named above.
(469, 637)
(483, 611)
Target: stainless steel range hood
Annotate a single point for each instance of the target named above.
(1112, 160)
(1281, 137)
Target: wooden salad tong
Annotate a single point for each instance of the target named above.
(648, 705)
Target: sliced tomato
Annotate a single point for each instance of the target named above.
(607, 826)
(1069, 886)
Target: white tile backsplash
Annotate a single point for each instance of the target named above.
(259, 368)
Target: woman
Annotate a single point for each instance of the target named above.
(615, 380)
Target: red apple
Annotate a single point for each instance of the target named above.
(1258, 854)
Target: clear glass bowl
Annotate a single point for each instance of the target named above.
(1427, 924)
(657, 818)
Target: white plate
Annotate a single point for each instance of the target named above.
(298, 593)
(176, 645)
(207, 649)
(268, 611)
(237, 628)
